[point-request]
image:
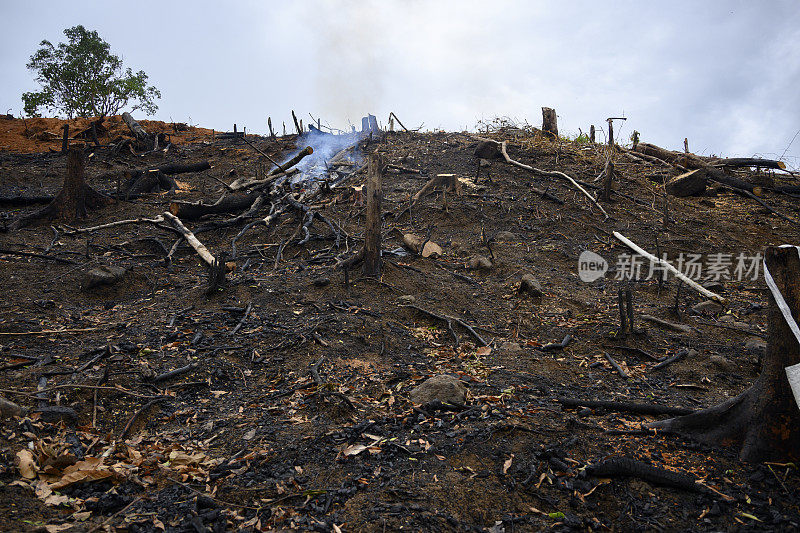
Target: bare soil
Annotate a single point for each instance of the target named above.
(249, 440)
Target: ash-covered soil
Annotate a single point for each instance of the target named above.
(296, 412)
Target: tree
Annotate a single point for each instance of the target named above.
(83, 78)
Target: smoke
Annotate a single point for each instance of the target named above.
(349, 67)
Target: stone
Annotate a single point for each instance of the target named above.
(9, 409)
(103, 275)
(479, 262)
(412, 242)
(56, 413)
(707, 306)
(505, 236)
(488, 150)
(484, 163)
(529, 284)
(721, 362)
(755, 345)
(406, 299)
(444, 388)
(431, 249)
(726, 319)
(511, 348)
(714, 286)
(459, 247)
(321, 281)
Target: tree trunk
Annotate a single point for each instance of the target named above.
(138, 131)
(763, 422)
(73, 200)
(372, 231)
(549, 122)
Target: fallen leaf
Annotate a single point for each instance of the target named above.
(507, 464)
(353, 449)
(26, 464)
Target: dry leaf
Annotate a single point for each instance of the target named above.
(26, 464)
(353, 449)
(507, 464)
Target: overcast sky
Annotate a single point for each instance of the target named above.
(725, 74)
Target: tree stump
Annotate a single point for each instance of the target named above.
(549, 122)
(764, 421)
(73, 200)
(372, 230)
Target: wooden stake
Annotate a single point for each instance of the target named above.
(372, 230)
(686, 145)
(65, 140)
(591, 133)
(271, 131)
(610, 131)
(297, 124)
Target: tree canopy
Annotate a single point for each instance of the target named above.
(83, 78)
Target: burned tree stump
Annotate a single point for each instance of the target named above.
(73, 200)
(549, 122)
(372, 230)
(764, 421)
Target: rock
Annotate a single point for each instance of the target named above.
(446, 389)
(431, 249)
(726, 319)
(511, 348)
(528, 283)
(708, 306)
(505, 236)
(406, 299)
(484, 163)
(721, 362)
(488, 150)
(755, 345)
(321, 281)
(479, 262)
(412, 242)
(714, 286)
(689, 184)
(103, 275)
(459, 247)
(56, 413)
(9, 409)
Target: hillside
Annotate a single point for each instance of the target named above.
(291, 407)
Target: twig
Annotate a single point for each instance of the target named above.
(615, 365)
(138, 413)
(244, 317)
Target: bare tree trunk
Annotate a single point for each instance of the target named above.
(73, 200)
(764, 421)
(372, 231)
(550, 122)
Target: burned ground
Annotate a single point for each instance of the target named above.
(296, 411)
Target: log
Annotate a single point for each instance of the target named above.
(147, 181)
(198, 246)
(626, 407)
(292, 162)
(138, 131)
(550, 122)
(372, 229)
(690, 183)
(737, 162)
(762, 423)
(232, 203)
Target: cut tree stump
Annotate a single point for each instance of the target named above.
(73, 200)
(550, 122)
(764, 421)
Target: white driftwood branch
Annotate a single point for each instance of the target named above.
(696, 286)
(76, 231)
(552, 174)
(198, 246)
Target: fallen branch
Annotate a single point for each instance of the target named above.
(201, 250)
(653, 259)
(626, 407)
(553, 174)
(449, 321)
(627, 467)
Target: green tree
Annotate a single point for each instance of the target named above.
(83, 78)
